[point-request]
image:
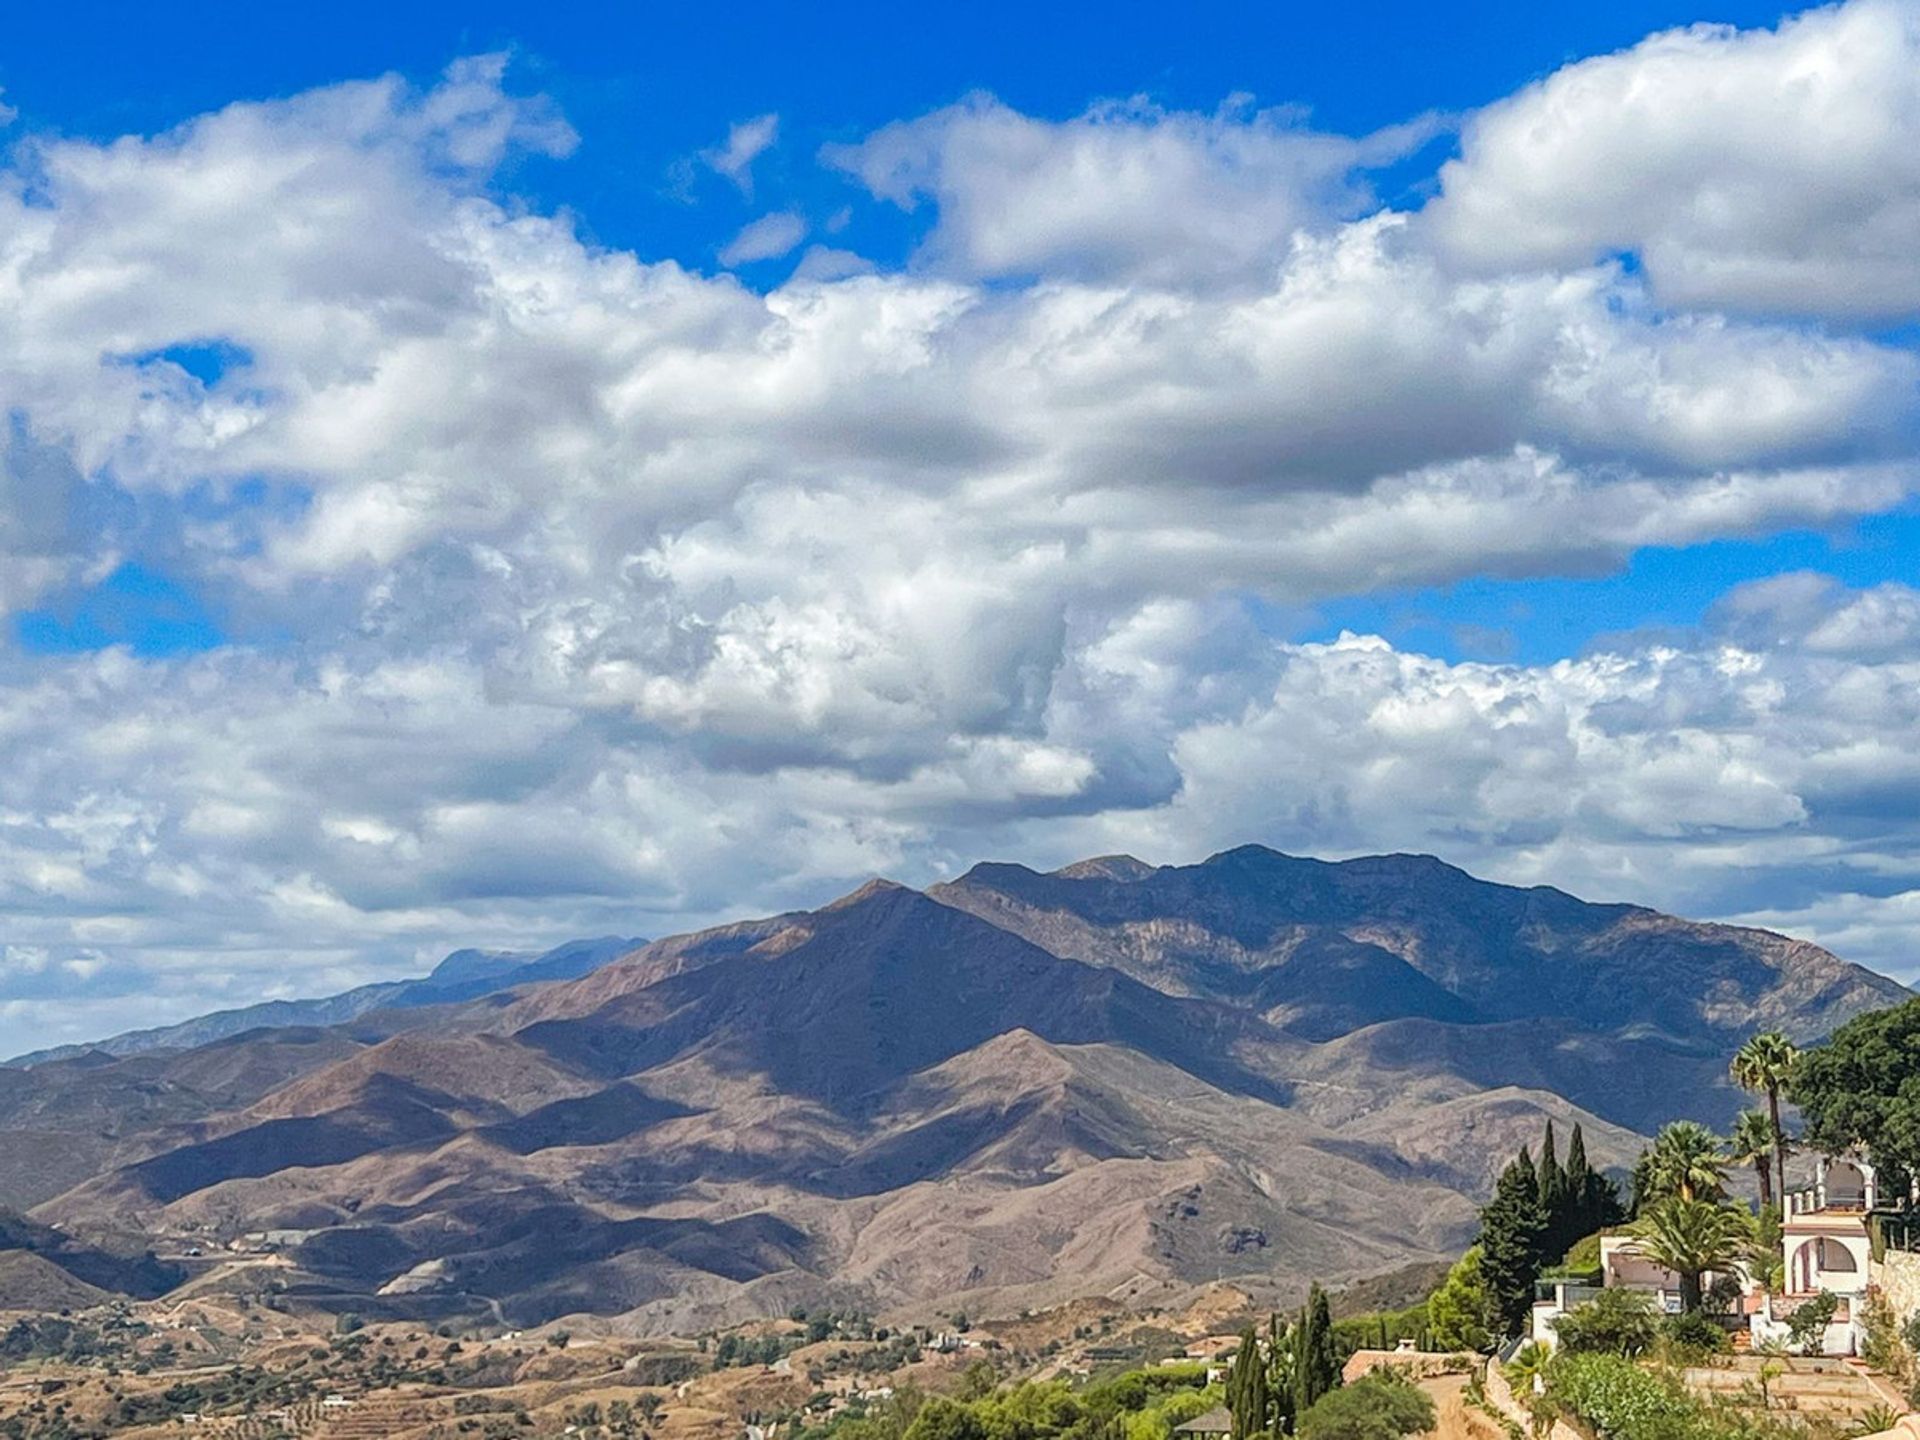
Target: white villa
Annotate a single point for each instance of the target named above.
(1826, 1245)
(1623, 1266)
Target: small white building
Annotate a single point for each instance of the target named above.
(1825, 1246)
(1624, 1265)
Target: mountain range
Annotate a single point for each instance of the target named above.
(1007, 1090)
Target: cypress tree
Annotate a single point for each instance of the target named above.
(1280, 1338)
(1642, 1183)
(1549, 1167)
(1247, 1389)
(1316, 1369)
(1525, 1161)
(1553, 1199)
(1582, 1194)
(1512, 1244)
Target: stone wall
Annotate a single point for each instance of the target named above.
(1501, 1396)
(1898, 1278)
(1413, 1364)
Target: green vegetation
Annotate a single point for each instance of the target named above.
(731, 1350)
(1383, 1329)
(1752, 1143)
(1692, 1338)
(1513, 1230)
(1615, 1322)
(1863, 1088)
(1808, 1323)
(1685, 1164)
(1767, 1064)
(1457, 1313)
(1249, 1398)
(1691, 1236)
(1381, 1405)
(1620, 1399)
(1315, 1368)
(1136, 1405)
(1537, 1213)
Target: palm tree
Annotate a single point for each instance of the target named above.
(1686, 1162)
(1691, 1237)
(1752, 1144)
(1763, 1065)
(1526, 1375)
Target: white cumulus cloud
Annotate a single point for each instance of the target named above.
(1762, 171)
(569, 590)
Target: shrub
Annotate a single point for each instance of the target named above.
(1807, 1326)
(1614, 1322)
(1584, 1253)
(1694, 1335)
(1380, 1406)
(1882, 1347)
(1620, 1400)
(942, 1419)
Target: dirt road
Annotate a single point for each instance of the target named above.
(1454, 1419)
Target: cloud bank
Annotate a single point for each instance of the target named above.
(566, 590)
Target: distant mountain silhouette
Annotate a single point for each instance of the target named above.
(463, 975)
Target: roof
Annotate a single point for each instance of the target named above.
(1217, 1421)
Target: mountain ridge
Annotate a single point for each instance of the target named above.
(462, 975)
(1010, 1089)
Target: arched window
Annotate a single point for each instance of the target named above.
(1846, 1185)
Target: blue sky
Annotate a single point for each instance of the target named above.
(647, 88)
(491, 475)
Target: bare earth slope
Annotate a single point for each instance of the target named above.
(1018, 1088)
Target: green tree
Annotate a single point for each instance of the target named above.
(1554, 1199)
(1512, 1246)
(1615, 1322)
(978, 1381)
(1381, 1405)
(1247, 1388)
(1316, 1369)
(1751, 1143)
(1691, 1237)
(1524, 1163)
(1862, 1087)
(1641, 1183)
(1766, 1065)
(1686, 1163)
(1578, 1177)
(1457, 1311)
(944, 1419)
(1281, 1338)
(1594, 1199)
(1807, 1326)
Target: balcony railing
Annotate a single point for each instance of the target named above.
(1568, 1295)
(1808, 1202)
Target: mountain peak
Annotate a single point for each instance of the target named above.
(1123, 868)
(878, 888)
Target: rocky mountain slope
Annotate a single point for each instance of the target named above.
(1015, 1088)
